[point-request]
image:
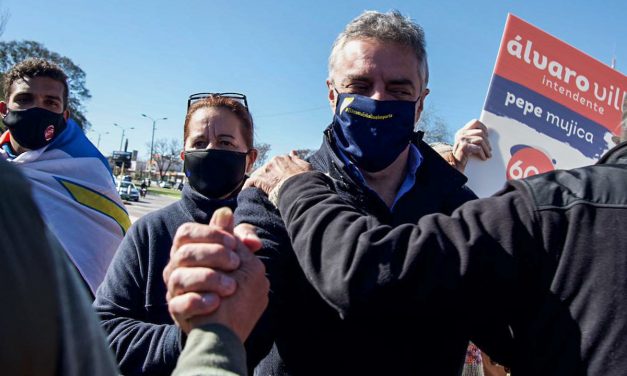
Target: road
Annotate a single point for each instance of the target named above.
(147, 204)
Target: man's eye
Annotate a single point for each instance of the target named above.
(357, 88)
(199, 145)
(402, 92)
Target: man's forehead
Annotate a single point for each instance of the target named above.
(38, 85)
(363, 57)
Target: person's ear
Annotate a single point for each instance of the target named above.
(332, 95)
(251, 157)
(182, 155)
(421, 104)
(3, 108)
(66, 114)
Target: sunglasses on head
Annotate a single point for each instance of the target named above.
(241, 98)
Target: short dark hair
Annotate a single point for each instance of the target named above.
(235, 107)
(35, 67)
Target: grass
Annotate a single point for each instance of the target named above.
(164, 191)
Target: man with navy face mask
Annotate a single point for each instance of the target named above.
(377, 85)
(377, 91)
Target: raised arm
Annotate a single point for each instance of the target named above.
(368, 260)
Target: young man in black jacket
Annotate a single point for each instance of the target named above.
(377, 83)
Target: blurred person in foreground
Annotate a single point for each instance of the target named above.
(47, 325)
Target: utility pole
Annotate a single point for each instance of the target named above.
(152, 140)
(123, 130)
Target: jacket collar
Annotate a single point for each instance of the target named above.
(200, 207)
(616, 155)
(434, 170)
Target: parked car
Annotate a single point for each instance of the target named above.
(128, 191)
(165, 184)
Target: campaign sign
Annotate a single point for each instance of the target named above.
(549, 106)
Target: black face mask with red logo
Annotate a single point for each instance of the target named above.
(35, 127)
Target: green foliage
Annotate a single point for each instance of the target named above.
(13, 52)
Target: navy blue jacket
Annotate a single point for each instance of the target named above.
(550, 249)
(131, 300)
(313, 336)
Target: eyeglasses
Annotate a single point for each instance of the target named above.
(241, 98)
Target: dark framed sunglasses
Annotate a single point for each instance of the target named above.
(241, 98)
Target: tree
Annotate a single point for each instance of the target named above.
(13, 52)
(434, 127)
(166, 155)
(263, 151)
(304, 153)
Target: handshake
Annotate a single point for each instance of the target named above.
(214, 277)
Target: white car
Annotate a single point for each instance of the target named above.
(128, 191)
(165, 184)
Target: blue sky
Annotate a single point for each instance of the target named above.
(148, 56)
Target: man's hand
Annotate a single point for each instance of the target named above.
(272, 174)
(202, 275)
(471, 139)
(242, 310)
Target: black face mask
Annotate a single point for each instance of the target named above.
(214, 173)
(34, 128)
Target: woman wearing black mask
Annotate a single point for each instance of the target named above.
(131, 302)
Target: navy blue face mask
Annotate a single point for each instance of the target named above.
(372, 133)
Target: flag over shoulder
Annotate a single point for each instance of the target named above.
(74, 189)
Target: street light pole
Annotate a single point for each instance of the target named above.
(99, 136)
(123, 130)
(152, 140)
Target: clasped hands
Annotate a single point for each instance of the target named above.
(213, 276)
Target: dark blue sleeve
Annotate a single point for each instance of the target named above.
(139, 346)
(253, 207)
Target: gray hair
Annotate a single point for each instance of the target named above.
(385, 27)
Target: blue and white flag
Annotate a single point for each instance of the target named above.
(74, 189)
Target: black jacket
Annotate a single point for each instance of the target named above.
(551, 249)
(131, 300)
(314, 336)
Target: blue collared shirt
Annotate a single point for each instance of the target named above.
(414, 160)
(9, 150)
